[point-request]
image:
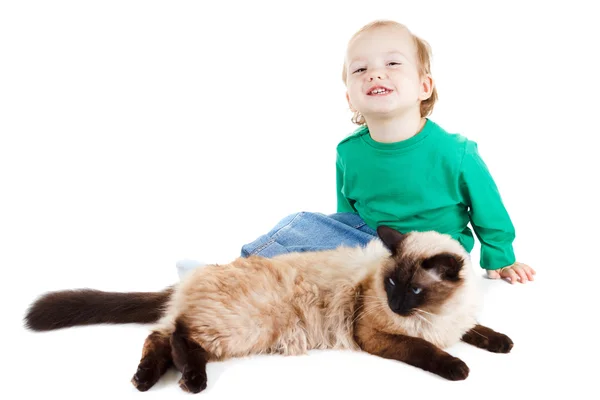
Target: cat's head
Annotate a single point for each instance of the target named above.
(424, 271)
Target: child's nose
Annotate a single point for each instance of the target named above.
(376, 75)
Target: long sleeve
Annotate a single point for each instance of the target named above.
(343, 205)
(489, 218)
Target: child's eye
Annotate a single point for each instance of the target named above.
(359, 70)
(394, 63)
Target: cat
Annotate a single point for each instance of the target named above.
(402, 296)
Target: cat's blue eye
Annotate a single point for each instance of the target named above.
(416, 290)
(391, 282)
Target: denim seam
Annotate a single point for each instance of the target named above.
(264, 246)
(274, 235)
(278, 232)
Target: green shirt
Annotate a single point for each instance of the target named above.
(432, 181)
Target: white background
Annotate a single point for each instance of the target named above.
(138, 133)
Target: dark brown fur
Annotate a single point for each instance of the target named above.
(189, 358)
(160, 352)
(488, 339)
(411, 350)
(156, 359)
(68, 308)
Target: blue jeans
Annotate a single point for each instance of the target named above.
(303, 231)
(309, 231)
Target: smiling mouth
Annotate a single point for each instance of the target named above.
(379, 91)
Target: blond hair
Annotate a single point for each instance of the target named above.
(423, 60)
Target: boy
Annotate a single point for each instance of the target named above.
(400, 168)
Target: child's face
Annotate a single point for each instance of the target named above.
(383, 73)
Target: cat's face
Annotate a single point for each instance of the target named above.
(423, 272)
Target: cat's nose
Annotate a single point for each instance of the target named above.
(399, 308)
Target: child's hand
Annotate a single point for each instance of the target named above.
(516, 272)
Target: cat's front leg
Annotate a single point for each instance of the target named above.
(414, 351)
(488, 339)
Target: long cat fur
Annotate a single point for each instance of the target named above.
(296, 302)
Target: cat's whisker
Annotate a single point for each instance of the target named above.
(357, 312)
(423, 318)
(358, 316)
(369, 308)
(374, 308)
(364, 313)
(370, 297)
(423, 311)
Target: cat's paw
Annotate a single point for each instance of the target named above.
(193, 381)
(452, 368)
(499, 343)
(146, 376)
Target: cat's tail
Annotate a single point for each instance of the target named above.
(66, 308)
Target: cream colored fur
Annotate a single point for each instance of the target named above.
(296, 302)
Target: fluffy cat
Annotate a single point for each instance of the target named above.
(404, 297)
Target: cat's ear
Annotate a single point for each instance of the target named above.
(446, 265)
(390, 237)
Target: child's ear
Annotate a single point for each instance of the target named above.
(426, 87)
